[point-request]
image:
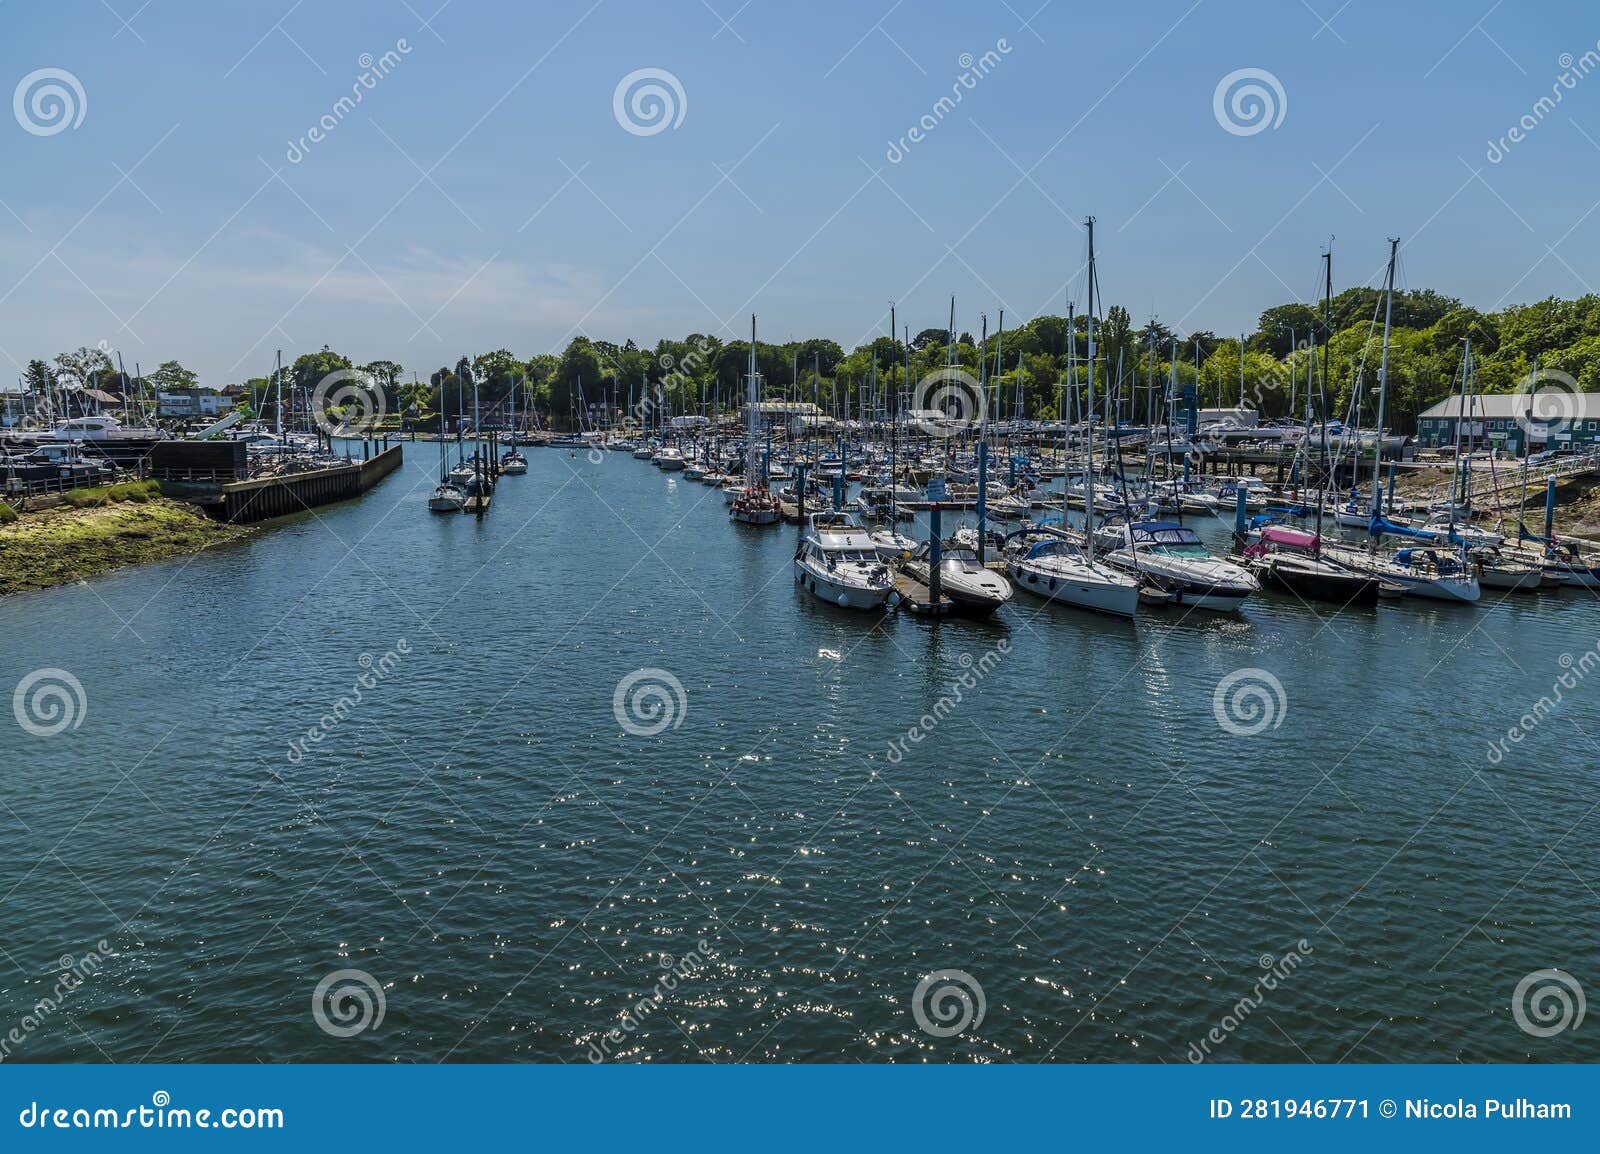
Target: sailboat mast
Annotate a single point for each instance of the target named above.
(750, 409)
(1088, 453)
(1383, 382)
(1327, 348)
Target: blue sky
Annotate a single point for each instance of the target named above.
(484, 194)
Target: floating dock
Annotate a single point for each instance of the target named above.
(918, 598)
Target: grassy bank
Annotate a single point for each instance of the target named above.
(96, 530)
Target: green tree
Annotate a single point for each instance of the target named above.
(170, 377)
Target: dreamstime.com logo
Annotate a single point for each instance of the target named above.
(49, 701)
(1248, 101)
(1549, 402)
(948, 401)
(648, 101)
(649, 701)
(347, 402)
(946, 1002)
(1548, 1002)
(1249, 701)
(347, 1003)
(49, 100)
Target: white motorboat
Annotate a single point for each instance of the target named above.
(102, 428)
(1172, 557)
(973, 588)
(837, 563)
(891, 544)
(1010, 508)
(669, 460)
(1057, 568)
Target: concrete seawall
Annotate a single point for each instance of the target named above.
(243, 502)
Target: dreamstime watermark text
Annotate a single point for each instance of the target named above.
(375, 670)
(677, 970)
(972, 672)
(973, 69)
(1573, 70)
(1573, 671)
(1276, 971)
(74, 973)
(373, 69)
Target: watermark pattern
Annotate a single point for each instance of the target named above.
(48, 101)
(649, 701)
(373, 69)
(74, 972)
(648, 101)
(677, 970)
(1548, 1002)
(972, 672)
(348, 1002)
(1573, 69)
(49, 701)
(1277, 971)
(947, 402)
(1249, 701)
(375, 670)
(1551, 403)
(347, 402)
(1575, 669)
(973, 69)
(947, 1002)
(1249, 100)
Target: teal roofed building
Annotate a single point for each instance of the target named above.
(1556, 420)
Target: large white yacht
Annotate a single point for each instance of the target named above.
(837, 563)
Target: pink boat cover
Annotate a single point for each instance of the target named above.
(1283, 535)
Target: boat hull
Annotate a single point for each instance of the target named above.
(1510, 580)
(825, 589)
(1320, 585)
(969, 599)
(1116, 598)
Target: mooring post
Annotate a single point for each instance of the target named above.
(983, 494)
(1241, 495)
(800, 490)
(1549, 505)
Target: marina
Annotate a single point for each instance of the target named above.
(938, 535)
(784, 776)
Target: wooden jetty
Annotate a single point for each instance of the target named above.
(917, 598)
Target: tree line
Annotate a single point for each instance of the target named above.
(1029, 361)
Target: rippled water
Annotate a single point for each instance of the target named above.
(518, 872)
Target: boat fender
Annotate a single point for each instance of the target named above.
(844, 599)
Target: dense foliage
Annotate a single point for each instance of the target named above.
(1425, 358)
